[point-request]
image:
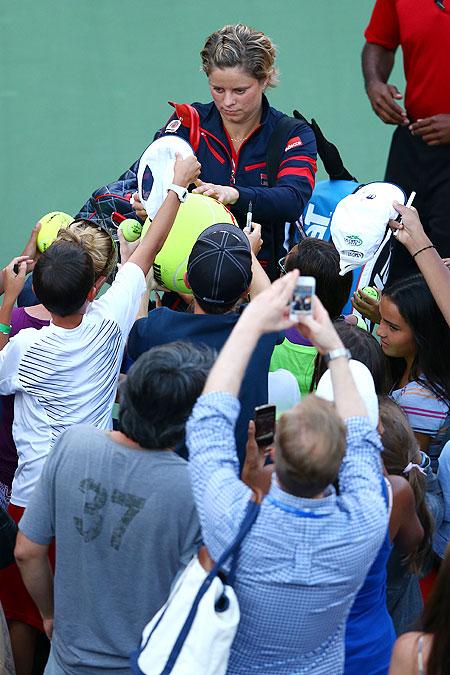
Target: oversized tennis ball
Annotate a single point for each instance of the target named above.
(51, 223)
(372, 292)
(131, 229)
(195, 215)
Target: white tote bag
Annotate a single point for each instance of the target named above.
(193, 632)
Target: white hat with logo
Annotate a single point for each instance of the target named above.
(155, 170)
(359, 222)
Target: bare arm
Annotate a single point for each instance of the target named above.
(32, 560)
(377, 64)
(260, 280)
(404, 656)
(13, 284)
(437, 275)
(319, 329)
(405, 528)
(267, 313)
(185, 173)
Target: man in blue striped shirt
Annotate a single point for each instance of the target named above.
(309, 549)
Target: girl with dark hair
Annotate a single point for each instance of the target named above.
(370, 633)
(364, 347)
(402, 458)
(428, 651)
(416, 338)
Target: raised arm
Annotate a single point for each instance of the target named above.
(13, 284)
(411, 234)
(267, 313)
(220, 496)
(360, 477)
(320, 330)
(185, 173)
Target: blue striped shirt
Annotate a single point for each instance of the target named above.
(304, 559)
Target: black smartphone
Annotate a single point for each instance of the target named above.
(265, 424)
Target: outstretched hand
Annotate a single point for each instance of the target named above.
(409, 231)
(31, 250)
(186, 171)
(269, 311)
(225, 194)
(254, 237)
(137, 206)
(255, 473)
(13, 280)
(126, 248)
(366, 305)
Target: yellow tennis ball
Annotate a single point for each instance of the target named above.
(51, 223)
(372, 292)
(361, 323)
(194, 216)
(131, 229)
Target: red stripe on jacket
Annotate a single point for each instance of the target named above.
(297, 171)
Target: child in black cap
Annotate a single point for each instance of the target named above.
(222, 269)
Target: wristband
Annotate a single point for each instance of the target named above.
(5, 329)
(336, 354)
(425, 248)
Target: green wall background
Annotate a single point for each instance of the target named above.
(85, 83)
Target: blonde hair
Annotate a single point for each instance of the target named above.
(97, 242)
(240, 46)
(310, 445)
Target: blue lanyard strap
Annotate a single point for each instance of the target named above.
(300, 513)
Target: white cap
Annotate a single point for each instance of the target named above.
(155, 170)
(359, 222)
(284, 391)
(364, 383)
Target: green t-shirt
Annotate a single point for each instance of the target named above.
(298, 359)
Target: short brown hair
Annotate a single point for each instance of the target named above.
(237, 45)
(310, 444)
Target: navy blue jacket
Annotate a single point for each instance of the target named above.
(246, 170)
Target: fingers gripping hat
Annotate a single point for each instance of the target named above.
(155, 170)
(359, 222)
(220, 265)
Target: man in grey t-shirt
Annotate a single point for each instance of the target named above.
(120, 507)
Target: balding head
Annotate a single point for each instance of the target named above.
(310, 444)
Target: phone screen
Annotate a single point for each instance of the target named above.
(265, 424)
(304, 291)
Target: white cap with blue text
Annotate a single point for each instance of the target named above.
(359, 223)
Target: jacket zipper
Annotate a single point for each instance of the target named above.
(234, 156)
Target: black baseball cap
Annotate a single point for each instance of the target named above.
(219, 268)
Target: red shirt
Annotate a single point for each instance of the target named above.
(423, 31)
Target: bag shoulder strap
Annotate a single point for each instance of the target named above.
(276, 145)
(250, 515)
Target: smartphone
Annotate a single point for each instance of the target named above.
(265, 424)
(301, 303)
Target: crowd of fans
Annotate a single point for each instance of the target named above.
(98, 521)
